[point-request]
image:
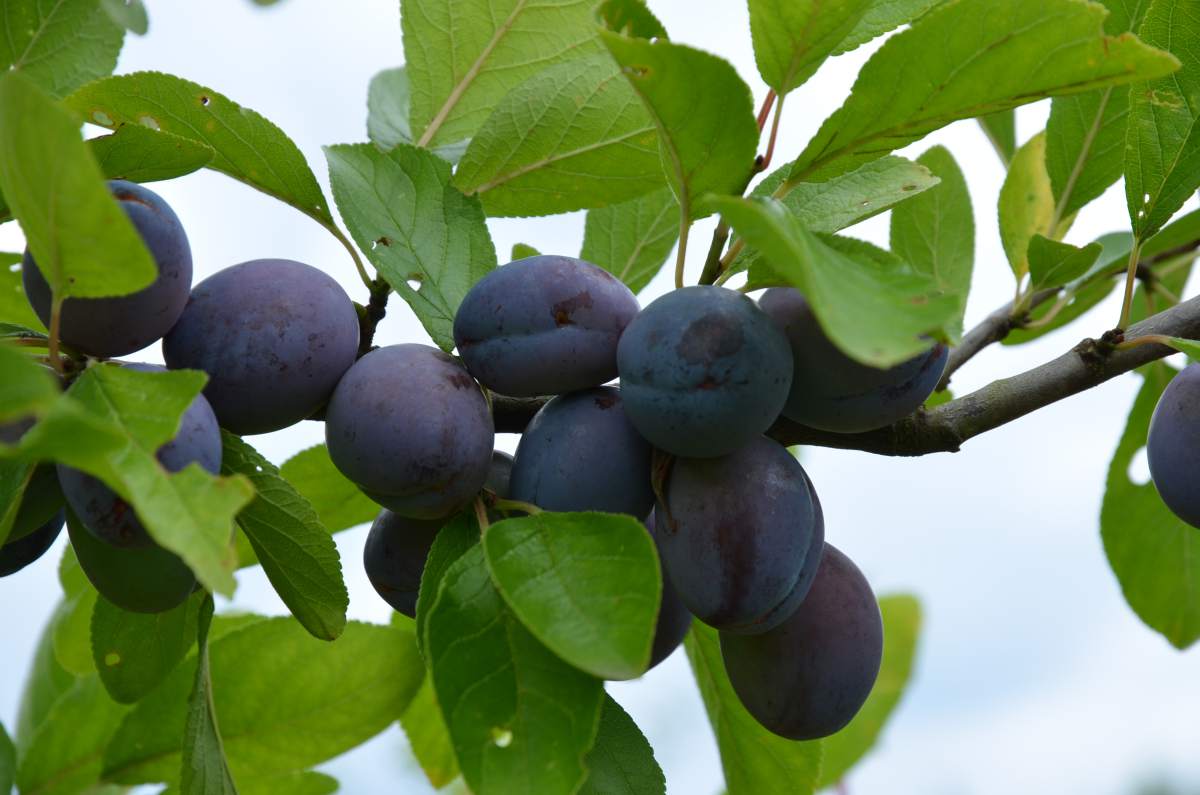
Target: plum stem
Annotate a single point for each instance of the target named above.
(1130, 277)
(481, 515)
(358, 263)
(516, 506)
(685, 226)
(55, 328)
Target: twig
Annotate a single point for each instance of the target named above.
(993, 328)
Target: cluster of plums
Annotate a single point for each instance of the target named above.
(703, 373)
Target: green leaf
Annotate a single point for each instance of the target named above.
(139, 154)
(14, 307)
(522, 250)
(8, 762)
(707, 138)
(1162, 147)
(587, 585)
(573, 136)
(110, 425)
(970, 58)
(302, 782)
(1001, 129)
(793, 38)
(1189, 347)
(622, 761)
(754, 760)
(14, 479)
(883, 16)
(25, 386)
(875, 313)
(935, 231)
(70, 627)
(414, 226)
(129, 14)
(135, 652)
(1151, 551)
(204, 770)
(84, 243)
(464, 58)
(521, 719)
(44, 684)
(459, 535)
(297, 553)
(1026, 203)
(286, 701)
(388, 111)
(633, 239)
(1053, 264)
(338, 502)
(429, 738)
(245, 145)
(901, 627)
(631, 18)
(59, 45)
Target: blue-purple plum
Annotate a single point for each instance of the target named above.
(581, 453)
(19, 552)
(274, 336)
(106, 514)
(1173, 445)
(740, 536)
(833, 392)
(543, 325)
(809, 676)
(674, 620)
(703, 371)
(394, 557)
(412, 429)
(123, 324)
(499, 474)
(40, 502)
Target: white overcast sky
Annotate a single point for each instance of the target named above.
(1033, 675)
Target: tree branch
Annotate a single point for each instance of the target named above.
(993, 328)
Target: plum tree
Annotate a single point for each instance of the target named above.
(19, 551)
(703, 371)
(1173, 445)
(412, 429)
(499, 474)
(581, 453)
(124, 324)
(104, 513)
(740, 536)
(808, 677)
(543, 325)
(274, 336)
(674, 620)
(833, 392)
(394, 557)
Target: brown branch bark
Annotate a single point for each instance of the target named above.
(993, 328)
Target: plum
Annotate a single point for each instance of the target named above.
(1173, 445)
(674, 620)
(274, 336)
(19, 552)
(543, 325)
(394, 557)
(703, 371)
(499, 474)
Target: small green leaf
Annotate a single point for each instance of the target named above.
(754, 760)
(338, 502)
(45, 683)
(14, 307)
(1151, 550)
(1189, 347)
(204, 770)
(286, 701)
(455, 539)
(633, 239)
(522, 250)
(139, 154)
(792, 38)
(573, 136)
(295, 550)
(1001, 129)
(883, 16)
(1026, 203)
(301, 782)
(429, 738)
(1162, 147)
(630, 18)
(84, 243)
(245, 145)
(967, 59)
(707, 138)
(135, 652)
(521, 719)
(59, 45)
(462, 59)
(1053, 264)
(129, 14)
(25, 386)
(935, 231)
(70, 627)
(901, 627)
(587, 585)
(388, 112)
(876, 313)
(622, 761)
(414, 226)
(8, 762)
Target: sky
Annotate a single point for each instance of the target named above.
(1032, 676)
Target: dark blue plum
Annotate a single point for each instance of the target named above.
(808, 677)
(1173, 445)
(412, 429)
(139, 579)
(273, 335)
(674, 620)
(833, 392)
(40, 502)
(124, 324)
(543, 325)
(740, 536)
(395, 555)
(499, 474)
(109, 517)
(19, 552)
(703, 371)
(581, 453)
